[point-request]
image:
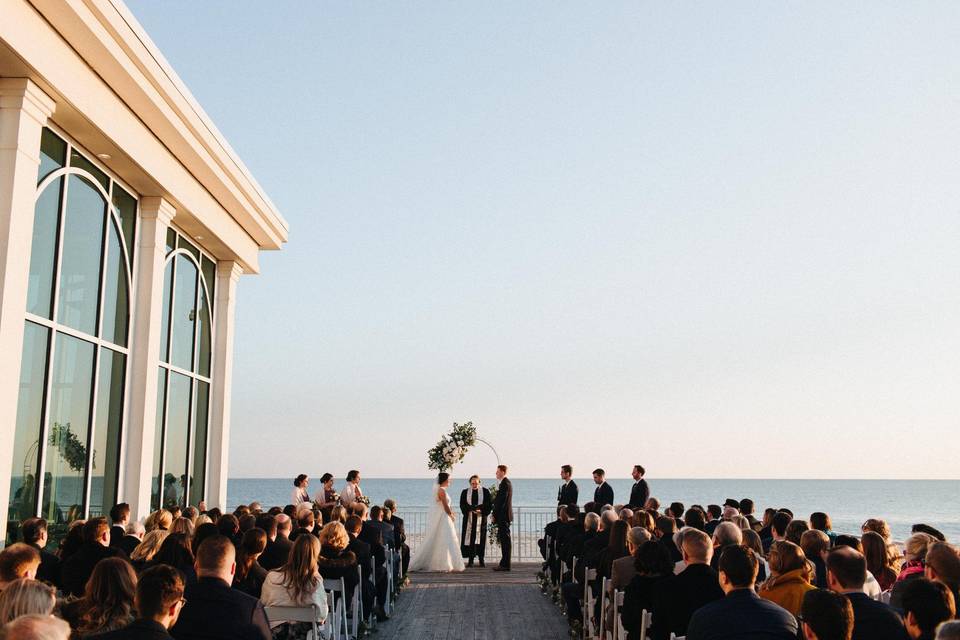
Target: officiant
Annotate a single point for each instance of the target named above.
(475, 503)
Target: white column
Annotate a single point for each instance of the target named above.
(137, 464)
(218, 450)
(24, 110)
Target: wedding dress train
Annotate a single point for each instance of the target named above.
(440, 548)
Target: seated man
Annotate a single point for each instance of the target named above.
(213, 609)
(741, 613)
(132, 538)
(76, 570)
(17, 561)
(826, 616)
(872, 620)
(399, 533)
(159, 600)
(694, 587)
(370, 591)
(35, 534)
(278, 528)
(925, 605)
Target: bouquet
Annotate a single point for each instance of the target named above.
(452, 447)
(364, 499)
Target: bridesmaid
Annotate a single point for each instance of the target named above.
(300, 493)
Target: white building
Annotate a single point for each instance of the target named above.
(126, 222)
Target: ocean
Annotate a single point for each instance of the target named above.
(901, 503)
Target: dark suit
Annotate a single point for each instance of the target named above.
(128, 543)
(76, 570)
(116, 535)
(568, 493)
(639, 494)
(873, 620)
(369, 590)
(138, 630)
(640, 594)
(603, 494)
(276, 553)
(214, 611)
(400, 535)
(680, 596)
(503, 516)
(742, 614)
(49, 569)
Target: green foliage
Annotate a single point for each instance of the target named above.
(452, 447)
(68, 445)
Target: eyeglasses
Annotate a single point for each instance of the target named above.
(183, 602)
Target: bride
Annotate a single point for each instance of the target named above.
(440, 549)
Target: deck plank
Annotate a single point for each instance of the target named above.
(478, 604)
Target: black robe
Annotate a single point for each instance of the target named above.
(473, 540)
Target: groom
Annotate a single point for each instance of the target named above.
(502, 516)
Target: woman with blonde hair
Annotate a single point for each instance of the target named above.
(335, 561)
(183, 525)
(152, 541)
(297, 584)
(25, 596)
(161, 519)
(878, 526)
(338, 514)
(790, 576)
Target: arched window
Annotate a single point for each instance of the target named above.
(75, 349)
(183, 389)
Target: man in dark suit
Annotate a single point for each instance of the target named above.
(741, 613)
(640, 491)
(386, 529)
(370, 591)
(119, 519)
(278, 529)
(502, 514)
(76, 570)
(399, 532)
(694, 587)
(603, 494)
(873, 620)
(159, 600)
(132, 537)
(34, 532)
(567, 493)
(214, 610)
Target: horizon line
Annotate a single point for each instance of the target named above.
(621, 478)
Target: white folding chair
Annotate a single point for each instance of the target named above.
(338, 606)
(674, 636)
(885, 596)
(619, 633)
(278, 615)
(589, 630)
(356, 606)
(646, 621)
(602, 624)
(388, 605)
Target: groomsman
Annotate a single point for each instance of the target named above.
(640, 491)
(476, 505)
(567, 493)
(603, 494)
(502, 514)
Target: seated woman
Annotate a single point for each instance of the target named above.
(297, 584)
(250, 575)
(335, 561)
(789, 576)
(880, 562)
(654, 566)
(107, 602)
(25, 596)
(147, 549)
(177, 553)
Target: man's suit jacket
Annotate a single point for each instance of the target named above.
(603, 494)
(681, 595)
(216, 611)
(399, 534)
(138, 630)
(873, 620)
(276, 553)
(639, 494)
(49, 569)
(742, 614)
(623, 571)
(363, 552)
(128, 543)
(76, 570)
(373, 536)
(116, 534)
(503, 503)
(568, 493)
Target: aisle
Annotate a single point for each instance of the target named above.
(478, 604)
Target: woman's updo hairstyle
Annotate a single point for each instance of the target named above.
(326, 478)
(299, 479)
(442, 477)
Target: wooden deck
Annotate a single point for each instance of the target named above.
(478, 604)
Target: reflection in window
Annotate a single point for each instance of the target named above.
(158, 437)
(103, 470)
(43, 253)
(80, 261)
(184, 313)
(201, 414)
(175, 437)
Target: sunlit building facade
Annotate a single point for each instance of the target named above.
(126, 222)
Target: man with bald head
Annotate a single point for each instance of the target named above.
(872, 620)
(214, 610)
(694, 587)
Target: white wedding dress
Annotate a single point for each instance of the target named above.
(440, 548)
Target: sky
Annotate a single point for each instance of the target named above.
(721, 240)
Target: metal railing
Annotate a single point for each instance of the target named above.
(526, 529)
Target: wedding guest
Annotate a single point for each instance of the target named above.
(654, 567)
(767, 523)
(278, 529)
(107, 603)
(624, 569)
(644, 519)
(790, 576)
(119, 519)
(726, 535)
(795, 531)
(75, 571)
(714, 518)
(35, 627)
(204, 531)
(229, 526)
(176, 552)
(567, 493)
(603, 494)
(693, 587)
(877, 553)
(373, 583)
(351, 490)
(338, 514)
(399, 533)
(191, 514)
(949, 631)
(870, 587)
(778, 528)
(751, 540)
(872, 620)
(914, 563)
(213, 610)
(741, 612)
(306, 525)
(746, 509)
(640, 491)
(159, 600)
(132, 538)
(742, 523)
(250, 575)
(148, 548)
(161, 519)
(676, 511)
(336, 562)
(386, 529)
(820, 521)
(35, 534)
(666, 527)
(943, 565)
(73, 540)
(816, 544)
(925, 605)
(925, 528)
(298, 583)
(694, 518)
(878, 526)
(300, 495)
(826, 616)
(25, 596)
